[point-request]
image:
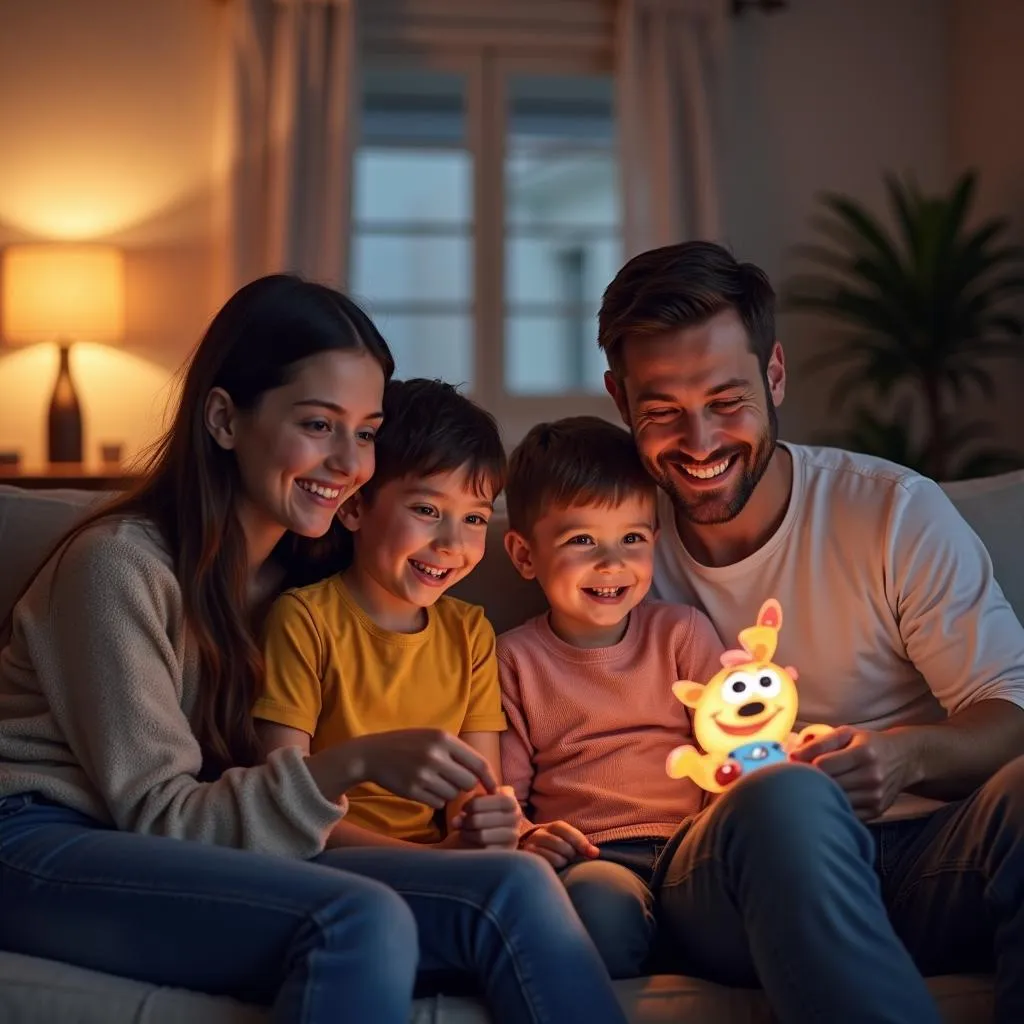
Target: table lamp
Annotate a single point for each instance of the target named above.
(63, 293)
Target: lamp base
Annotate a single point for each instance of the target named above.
(65, 419)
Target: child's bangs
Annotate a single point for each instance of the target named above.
(485, 469)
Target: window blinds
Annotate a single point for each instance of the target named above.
(579, 27)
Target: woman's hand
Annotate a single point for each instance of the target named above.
(428, 765)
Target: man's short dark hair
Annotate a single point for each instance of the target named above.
(428, 428)
(581, 460)
(684, 285)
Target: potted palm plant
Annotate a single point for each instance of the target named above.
(923, 310)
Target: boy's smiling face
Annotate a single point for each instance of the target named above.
(414, 540)
(594, 563)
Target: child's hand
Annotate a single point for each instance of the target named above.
(560, 844)
(489, 821)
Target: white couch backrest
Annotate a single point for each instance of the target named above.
(994, 507)
(32, 521)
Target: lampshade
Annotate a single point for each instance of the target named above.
(59, 292)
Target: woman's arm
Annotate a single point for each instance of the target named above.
(104, 632)
(274, 736)
(434, 763)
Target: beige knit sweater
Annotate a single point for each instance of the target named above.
(96, 687)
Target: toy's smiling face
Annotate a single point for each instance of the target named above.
(741, 704)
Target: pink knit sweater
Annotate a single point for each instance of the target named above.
(590, 729)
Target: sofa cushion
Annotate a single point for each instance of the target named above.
(31, 522)
(34, 991)
(994, 506)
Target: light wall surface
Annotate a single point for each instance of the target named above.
(826, 95)
(108, 126)
(112, 129)
(986, 131)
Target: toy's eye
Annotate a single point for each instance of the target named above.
(739, 687)
(768, 684)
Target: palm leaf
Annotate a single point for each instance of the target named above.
(889, 438)
(923, 307)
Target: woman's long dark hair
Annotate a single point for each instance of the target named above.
(190, 486)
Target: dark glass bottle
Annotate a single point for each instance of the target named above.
(65, 423)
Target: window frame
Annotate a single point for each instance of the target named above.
(487, 70)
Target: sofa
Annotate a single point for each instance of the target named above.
(35, 991)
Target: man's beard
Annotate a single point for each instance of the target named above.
(719, 506)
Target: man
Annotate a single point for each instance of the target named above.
(902, 639)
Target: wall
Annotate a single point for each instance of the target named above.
(985, 119)
(825, 95)
(986, 130)
(113, 133)
(108, 126)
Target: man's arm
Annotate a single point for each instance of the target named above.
(967, 643)
(964, 639)
(944, 761)
(950, 759)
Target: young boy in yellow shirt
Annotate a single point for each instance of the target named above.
(379, 647)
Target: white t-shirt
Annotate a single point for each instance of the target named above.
(891, 613)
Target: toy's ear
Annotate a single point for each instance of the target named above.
(792, 673)
(730, 659)
(688, 692)
(759, 642)
(770, 614)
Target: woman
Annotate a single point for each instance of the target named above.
(125, 691)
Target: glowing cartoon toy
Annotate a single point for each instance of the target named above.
(743, 718)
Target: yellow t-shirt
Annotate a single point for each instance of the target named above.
(335, 674)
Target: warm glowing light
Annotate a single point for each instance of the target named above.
(62, 292)
(743, 718)
(111, 127)
(125, 399)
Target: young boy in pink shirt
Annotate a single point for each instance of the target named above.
(586, 687)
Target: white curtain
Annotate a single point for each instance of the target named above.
(295, 101)
(666, 56)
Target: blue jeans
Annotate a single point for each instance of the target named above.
(343, 934)
(613, 898)
(778, 883)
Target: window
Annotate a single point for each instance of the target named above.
(561, 231)
(486, 224)
(412, 258)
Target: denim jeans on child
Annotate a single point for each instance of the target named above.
(344, 934)
(613, 898)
